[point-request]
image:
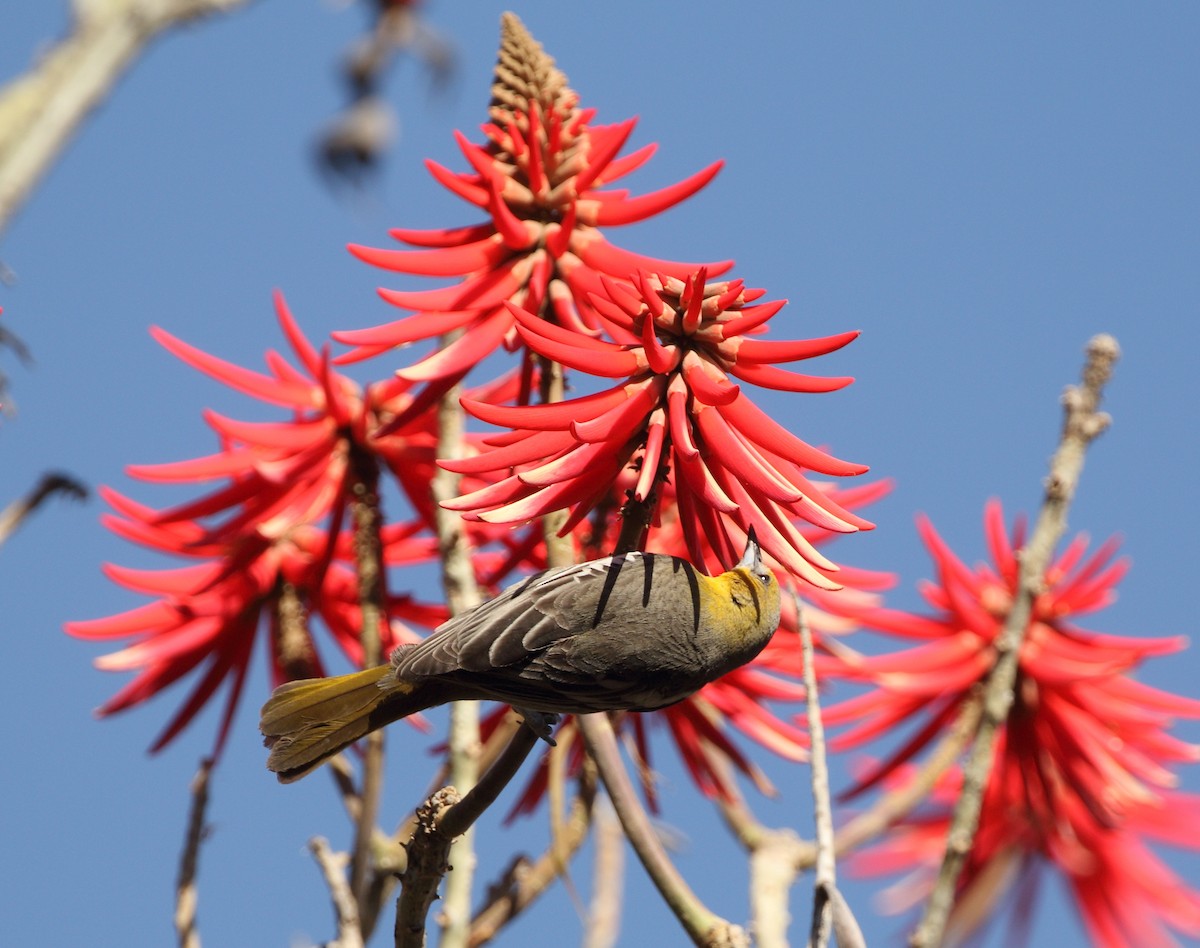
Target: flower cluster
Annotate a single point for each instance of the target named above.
(272, 543)
(729, 465)
(1083, 766)
(540, 178)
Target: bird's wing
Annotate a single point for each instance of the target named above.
(527, 618)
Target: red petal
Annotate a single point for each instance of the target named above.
(647, 205)
(707, 382)
(251, 383)
(407, 330)
(618, 424)
(770, 377)
(605, 143)
(591, 247)
(447, 237)
(444, 261)
(558, 415)
(466, 351)
(757, 425)
(750, 318)
(763, 350)
(467, 187)
(740, 458)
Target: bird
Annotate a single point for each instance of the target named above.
(630, 632)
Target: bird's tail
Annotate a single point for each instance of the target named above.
(307, 722)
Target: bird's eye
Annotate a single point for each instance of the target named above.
(765, 578)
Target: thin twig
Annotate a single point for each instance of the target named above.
(604, 915)
(444, 817)
(462, 593)
(186, 895)
(703, 926)
(345, 905)
(825, 880)
(368, 555)
(1082, 423)
(896, 804)
(51, 483)
(40, 111)
(524, 881)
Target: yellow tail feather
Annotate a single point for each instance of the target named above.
(307, 722)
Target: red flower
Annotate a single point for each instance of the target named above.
(274, 524)
(1084, 764)
(207, 615)
(676, 415)
(540, 180)
(1124, 893)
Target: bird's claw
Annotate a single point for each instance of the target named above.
(541, 723)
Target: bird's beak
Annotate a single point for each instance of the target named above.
(752, 558)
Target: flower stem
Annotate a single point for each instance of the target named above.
(1082, 423)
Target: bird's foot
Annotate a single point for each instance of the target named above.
(541, 723)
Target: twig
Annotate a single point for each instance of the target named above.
(894, 805)
(825, 881)
(462, 593)
(1082, 423)
(704, 927)
(604, 916)
(12, 516)
(428, 853)
(186, 895)
(444, 817)
(368, 555)
(523, 881)
(345, 905)
(40, 111)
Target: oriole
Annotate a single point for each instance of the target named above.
(631, 632)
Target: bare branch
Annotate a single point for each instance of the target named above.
(1082, 423)
(894, 805)
(604, 916)
(523, 881)
(52, 483)
(826, 870)
(704, 927)
(368, 556)
(462, 593)
(186, 895)
(40, 111)
(345, 906)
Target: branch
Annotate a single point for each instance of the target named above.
(186, 895)
(462, 593)
(1082, 423)
(896, 804)
(523, 881)
(368, 556)
(441, 819)
(12, 516)
(704, 927)
(604, 916)
(345, 906)
(826, 874)
(40, 111)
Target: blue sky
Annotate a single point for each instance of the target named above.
(978, 188)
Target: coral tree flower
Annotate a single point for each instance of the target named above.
(271, 530)
(1083, 767)
(541, 180)
(677, 415)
